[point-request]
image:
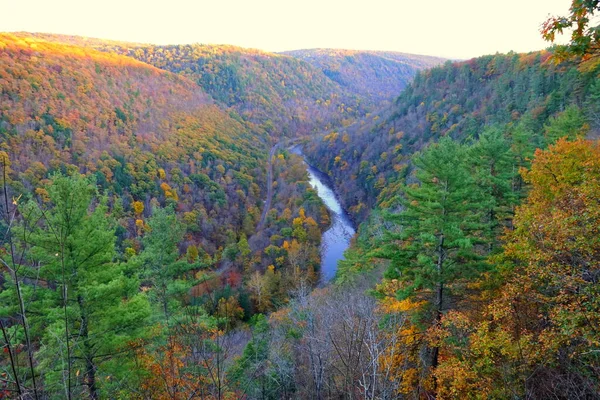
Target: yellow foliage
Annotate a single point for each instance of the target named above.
(130, 252)
(391, 305)
(169, 192)
(138, 207)
(302, 213)
(4, 159)
(287, 214)
(43, 194)
(310, 222)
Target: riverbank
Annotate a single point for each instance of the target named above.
(336, 239)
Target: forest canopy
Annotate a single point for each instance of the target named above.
(160, 237)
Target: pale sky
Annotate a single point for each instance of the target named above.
(446, 28)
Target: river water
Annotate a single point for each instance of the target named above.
(337, 238)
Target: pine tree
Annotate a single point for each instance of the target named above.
(168, 275)
(570, 124)
(491, 161)
(90, 309)
(252, 372)
(434, 248)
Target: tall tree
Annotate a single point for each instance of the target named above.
(538, 335)
(491, 161)
(251, 372)
(11, 262)
(91, 308)
(555, 249)
(168, 274)
(570, 124)
(435, 246)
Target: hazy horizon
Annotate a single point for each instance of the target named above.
(460, 30)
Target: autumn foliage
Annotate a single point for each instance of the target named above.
(539, 330)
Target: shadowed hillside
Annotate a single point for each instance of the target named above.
(374, 75)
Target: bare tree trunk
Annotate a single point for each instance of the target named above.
(61, 238)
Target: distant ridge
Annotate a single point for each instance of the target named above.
(290, 93)
(376, 75)
(415, 59)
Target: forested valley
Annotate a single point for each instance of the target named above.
(160, 239)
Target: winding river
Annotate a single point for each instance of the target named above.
(337, 238)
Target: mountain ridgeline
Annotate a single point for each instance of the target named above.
(160, 240)
(377, 76)
(145, 135)
(288, 94)
(156, 157)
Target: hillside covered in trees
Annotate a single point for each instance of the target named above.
(287, 94)
(160, 238)
(375, 75)
(526, 95)
(485, 225)
(162, 186)
(144, 134)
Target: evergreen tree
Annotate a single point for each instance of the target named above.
(243, 248)
(592, 105)
(251, 373)
(168, 275)
(90, 310)
(523, 142)
(439, 228)
(491, 160)
(569, 124)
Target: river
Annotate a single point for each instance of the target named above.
(337, 238)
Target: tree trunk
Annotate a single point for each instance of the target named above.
(439, 301)
(90, 367)
(438, 319)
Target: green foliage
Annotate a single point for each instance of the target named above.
(493, 166)
(168, 276)
(519, 92)
(251, 373)
(69, 242)
(569, 124)
(439, 224)
(243, 246)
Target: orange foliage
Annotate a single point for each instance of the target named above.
(403, 357)
(541, 327)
